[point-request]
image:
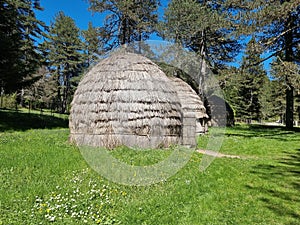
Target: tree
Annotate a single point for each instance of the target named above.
(202, 26)
(251, 82)
(277, 26)
(41, 93)
(126, 21)
(272, 100)
(229, 81)
(93, 43)
(18, 29)
(64, 50)
(205, 28)
(286, 73)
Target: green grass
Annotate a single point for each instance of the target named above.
(40, 170)
(21, 121)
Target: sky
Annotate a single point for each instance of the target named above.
(78, 10)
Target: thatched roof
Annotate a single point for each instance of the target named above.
(125, 100)
(190, 101)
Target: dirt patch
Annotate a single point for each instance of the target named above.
(218, 154)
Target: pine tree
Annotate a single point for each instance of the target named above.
(19, 56)
(287, 73)
(43, 92)
(93, 43)
(277, 26)
(229, 81)
(278, 100)
(204, 27)
(252, 78)
(126, 21)
(64, 50)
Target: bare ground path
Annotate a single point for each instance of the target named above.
(220, 155)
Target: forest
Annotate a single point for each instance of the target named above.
(41, 64)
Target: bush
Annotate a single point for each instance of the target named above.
(8, 101)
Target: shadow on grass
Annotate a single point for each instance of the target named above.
(269, 132)
(17, 121)
(281, 190)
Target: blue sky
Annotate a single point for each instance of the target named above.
(78, 10)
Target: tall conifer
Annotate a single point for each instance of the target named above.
(19, 55)
(126, 21)
(64, 51)
(277, 26)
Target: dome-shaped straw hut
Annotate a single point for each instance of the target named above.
(125, 100)
(191, 104)
(221, 113)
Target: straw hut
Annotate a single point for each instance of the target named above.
(191, 103)
(221, 113)
(126, 99)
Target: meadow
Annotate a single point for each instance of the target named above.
(45, 180)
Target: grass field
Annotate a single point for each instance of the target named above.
(44, 180)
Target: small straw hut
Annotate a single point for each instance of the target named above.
(191, 103)
(126, 99)
(221, 113)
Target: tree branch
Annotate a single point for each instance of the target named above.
(284, 64)
(265, 59)
(280, 35)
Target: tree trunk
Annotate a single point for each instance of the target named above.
(2, 95)
(64, 94)
(22, 98)
(203, 69)
(289, 107)
(58, 103)
(290, 89)
(66, 91)
(124, 31)
(298, 114)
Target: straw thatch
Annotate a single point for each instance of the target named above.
(191, 103)
(125, 100)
